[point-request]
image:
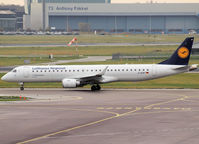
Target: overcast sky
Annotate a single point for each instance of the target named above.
(21, 2)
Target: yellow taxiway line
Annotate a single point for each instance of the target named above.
(116, 115)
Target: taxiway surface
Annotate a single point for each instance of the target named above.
(80, 116)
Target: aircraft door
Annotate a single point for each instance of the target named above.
(26, 72)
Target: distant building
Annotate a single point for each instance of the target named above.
(7, 20)
(27, 6)
(19, 12)
(100, 15)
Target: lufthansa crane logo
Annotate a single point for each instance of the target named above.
(183, 52)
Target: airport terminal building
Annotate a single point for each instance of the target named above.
(101, 15)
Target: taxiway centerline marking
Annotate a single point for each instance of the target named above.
(102, 120)
(77, 127)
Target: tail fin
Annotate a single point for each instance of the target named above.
(182, 54)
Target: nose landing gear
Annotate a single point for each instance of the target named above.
(95, 88)
(21, 86)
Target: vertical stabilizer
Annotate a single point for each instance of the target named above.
(182, 55)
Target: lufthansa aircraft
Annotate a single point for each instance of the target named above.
(94, 75)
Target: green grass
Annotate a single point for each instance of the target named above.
(89, 50)
(63, 53)
(12, 98)
(126, 38)
(11, 61)
(193, 60)
(181, 81)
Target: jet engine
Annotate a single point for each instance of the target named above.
(70, 83)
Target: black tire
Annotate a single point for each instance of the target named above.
(98, 87)
(93, 88)
(22, 88)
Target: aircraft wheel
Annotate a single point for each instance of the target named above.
(22, 88)
(93, 88)
(98, 87)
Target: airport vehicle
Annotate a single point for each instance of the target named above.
(81, 75)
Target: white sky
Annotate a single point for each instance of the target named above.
(21, 2)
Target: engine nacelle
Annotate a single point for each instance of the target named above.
(70, 83)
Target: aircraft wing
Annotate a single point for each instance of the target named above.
(92, 78)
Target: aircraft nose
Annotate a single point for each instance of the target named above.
(4, 78)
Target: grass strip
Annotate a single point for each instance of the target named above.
(90, 38)
(12, 98)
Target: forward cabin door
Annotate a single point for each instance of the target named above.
(26, 72)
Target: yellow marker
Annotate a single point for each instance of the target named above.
(138, 108)
(128, 108)
(118, 108)
(166, 108)
(156, 108)
(148, 108)
(100, 108)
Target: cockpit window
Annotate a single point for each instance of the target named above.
(14, 71)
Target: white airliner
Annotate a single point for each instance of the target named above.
(94, 75)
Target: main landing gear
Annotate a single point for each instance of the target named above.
(21, 86)
(95, 88)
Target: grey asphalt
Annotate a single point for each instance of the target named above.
(87, 59)
(79, 116)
